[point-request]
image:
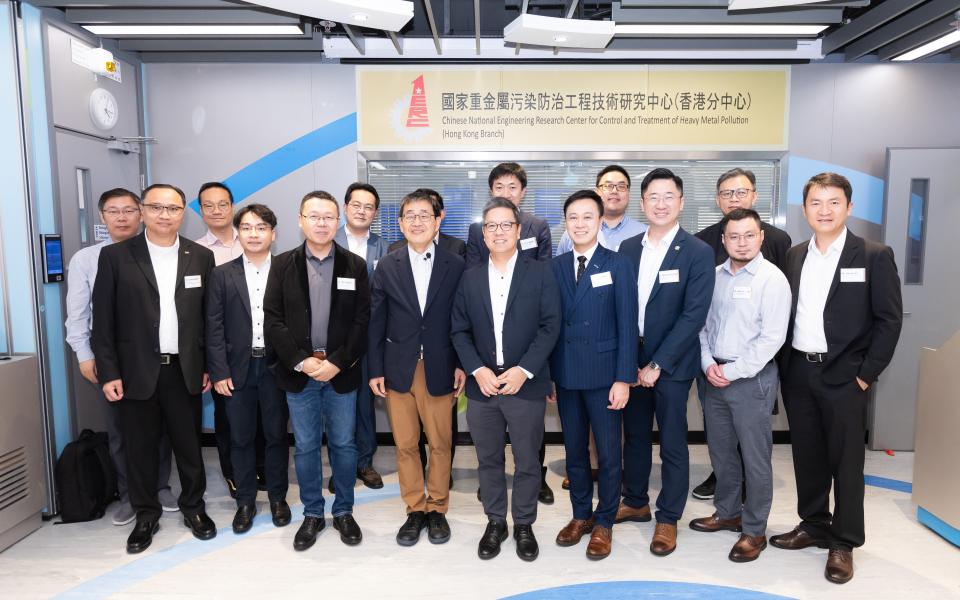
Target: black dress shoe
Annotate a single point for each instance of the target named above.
(438, 530)
(307, 534)
(706, 490)
(370, 478)
(546, 494)
(409, 533)
(527, 548)
(348, 528)
(493, 536)
(202, 526)
(231, 487)
(280, 511)
(141, 536)
(243, 519)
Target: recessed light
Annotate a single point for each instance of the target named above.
(716, 29)
(360, 17)
(931, 47)
(200, 30)
(559, 39)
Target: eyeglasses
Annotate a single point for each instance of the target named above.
(422, 217)
(737, 238)
(114, 213)
(262, 228)
(740, 192)
(620, 187)
(218, 206)
(157, 209)
(356, 206)
(505, 226)
(314, 219)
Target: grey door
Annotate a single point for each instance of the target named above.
(922, 214)
(86, 169)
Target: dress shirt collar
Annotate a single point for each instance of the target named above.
(157, 248)
(664, 241)
(510, 265)
(751, 267)
(249, 263)
(427, 255)
(835, 246)
(356, 238)
(310, 254)
(588, 253)
(211, 240)
(617, 227)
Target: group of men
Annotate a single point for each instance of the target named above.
(614, 330)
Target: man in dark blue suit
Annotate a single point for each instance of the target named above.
(506, 319)
(674, 284)
(593, 366)
(413, 364)
(237, 356)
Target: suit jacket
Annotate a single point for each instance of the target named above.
(776, 242)
(447, 242)
(598, 331)
(230, 324)
(398, 330)
(531, 325)
(676, 312)
(861, 320)
(126, 316)
(376, 248)
(287, 318)
(531, 227)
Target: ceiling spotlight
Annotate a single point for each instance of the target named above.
(360, 17)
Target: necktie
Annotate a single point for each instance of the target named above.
(581, 267)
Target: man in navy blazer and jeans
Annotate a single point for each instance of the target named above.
(593, 365)
(506, 319)
(237, 356)
(412, 362)
(675, 277)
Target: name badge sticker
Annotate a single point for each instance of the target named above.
(858, 275)
(528, 243)
(742, 292)
(191, 281)
(601, 279)
(346, 283)
(671, 276)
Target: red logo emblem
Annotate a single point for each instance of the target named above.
(417, 113)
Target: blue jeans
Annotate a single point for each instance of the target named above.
(319, 409)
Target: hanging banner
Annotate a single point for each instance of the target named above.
(572, 107)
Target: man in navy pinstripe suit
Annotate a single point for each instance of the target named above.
(593, 365)
(674, 286)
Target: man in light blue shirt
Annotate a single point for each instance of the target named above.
(120, 212)
(613, 185)
(745, 328)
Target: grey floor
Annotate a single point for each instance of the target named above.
(901, 559)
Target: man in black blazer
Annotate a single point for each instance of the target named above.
(238, 354)
(506, 319)
(316, 311)
(412, 363)
(148, 311)
(447, 242)
(845, 323)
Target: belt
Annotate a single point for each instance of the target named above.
(320, 354)
(258, 352)
(500, 369)
(166, 359)
(721, 361)
(812, 357)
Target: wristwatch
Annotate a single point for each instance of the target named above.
(653, 365)
(299, 367)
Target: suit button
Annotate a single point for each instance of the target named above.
(587, 323)
(155, 349)
(156, 324)
(423, 328)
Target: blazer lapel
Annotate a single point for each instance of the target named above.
(437, 274)
(183, 263)
(485, 297)
(407, 284)
(240, 282)
(669, 260)
(597, 262)
(138, 248)
(852, 248)
(569, 283)
(519, 272)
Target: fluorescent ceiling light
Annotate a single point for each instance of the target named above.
(931, 47)
(739, 30)
(537, 30)
(206, 30)
(389, 15)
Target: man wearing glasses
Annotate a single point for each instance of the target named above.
(613, 185)
(413, 364)
(316, 312)
(360, 205)
(216, 208)
(737, 188)
(148, 307)
(120, 212)
(238, 354)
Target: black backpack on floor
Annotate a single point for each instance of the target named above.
(86, 478)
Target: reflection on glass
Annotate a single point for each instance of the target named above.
(916, 229)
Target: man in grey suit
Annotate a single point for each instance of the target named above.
(361, 202)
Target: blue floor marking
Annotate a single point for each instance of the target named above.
(890, 484)
(617, 590)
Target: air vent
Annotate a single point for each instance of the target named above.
(13, 477)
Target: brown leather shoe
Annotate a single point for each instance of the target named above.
(629, 513)
(715, 523)
(600, 541)
(797, 540)
(565, 484)
(747, 548)
(664, 539)
(839, 565)
(575, 529)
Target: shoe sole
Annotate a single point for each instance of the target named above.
(170, 508)
(836, 581)
(156, 528)
(126, 522)
(570, 544)
(706, 530)
(413, 542)
(746, 559)
(667, 553)
(702, 496)
(439, 540)
(823, 545)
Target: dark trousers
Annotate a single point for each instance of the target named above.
(366, 433)
(119, 457)
(222, 435)
(259, 397)
(583, 411)
(489, 420)
(827, 427)
(174, 411)
(667, 400)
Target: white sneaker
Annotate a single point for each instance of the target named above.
(124, 514)
(167, 500)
